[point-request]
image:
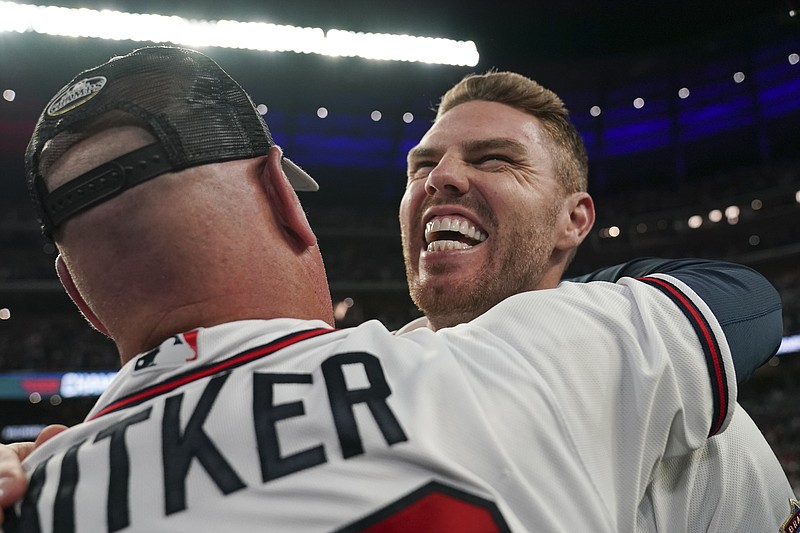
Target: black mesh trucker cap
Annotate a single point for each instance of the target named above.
(196, 111)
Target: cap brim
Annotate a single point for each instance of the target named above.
(298, 177)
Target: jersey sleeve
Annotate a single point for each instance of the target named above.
(746, 305)
(625, 375)
(636, 346)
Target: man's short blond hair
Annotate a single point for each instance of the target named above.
(517, 91)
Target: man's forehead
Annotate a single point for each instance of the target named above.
(476, 123)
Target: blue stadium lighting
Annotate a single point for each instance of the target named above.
(342, 150)
(780, 98)
(643, 135)
(713, 118)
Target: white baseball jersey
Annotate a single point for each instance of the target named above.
(733, 483)
(548, 413)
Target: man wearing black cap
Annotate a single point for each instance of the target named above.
(238, 406)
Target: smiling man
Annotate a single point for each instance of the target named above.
(488, 204)
(496, 204)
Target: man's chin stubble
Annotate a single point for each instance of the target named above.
(449, 306)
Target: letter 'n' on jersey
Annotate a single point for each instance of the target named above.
(716, 369)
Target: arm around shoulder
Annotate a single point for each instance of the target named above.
(744, 302)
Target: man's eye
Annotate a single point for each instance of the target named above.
(493, 159)
(421, 169)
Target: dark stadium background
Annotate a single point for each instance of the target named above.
(728, 155)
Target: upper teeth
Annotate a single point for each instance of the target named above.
(460, 225)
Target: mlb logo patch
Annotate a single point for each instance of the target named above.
(792, 524)
(175, 351)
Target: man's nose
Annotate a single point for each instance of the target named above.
(448, 178)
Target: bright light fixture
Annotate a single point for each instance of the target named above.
(116, 25)
(695, 221)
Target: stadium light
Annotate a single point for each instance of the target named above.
(117, 25)
(695, 221)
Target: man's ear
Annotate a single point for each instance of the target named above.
(284, 200)
(579, 208)
(66, 280)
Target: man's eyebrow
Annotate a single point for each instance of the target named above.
(500, 143)
(469, 147)
(420, 152)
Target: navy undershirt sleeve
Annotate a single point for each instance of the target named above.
(745, 304)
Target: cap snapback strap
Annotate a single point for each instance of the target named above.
(102, 183)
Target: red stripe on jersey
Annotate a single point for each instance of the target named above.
(709, 344)
(209, 370)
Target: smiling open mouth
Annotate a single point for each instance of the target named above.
(452, 233)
